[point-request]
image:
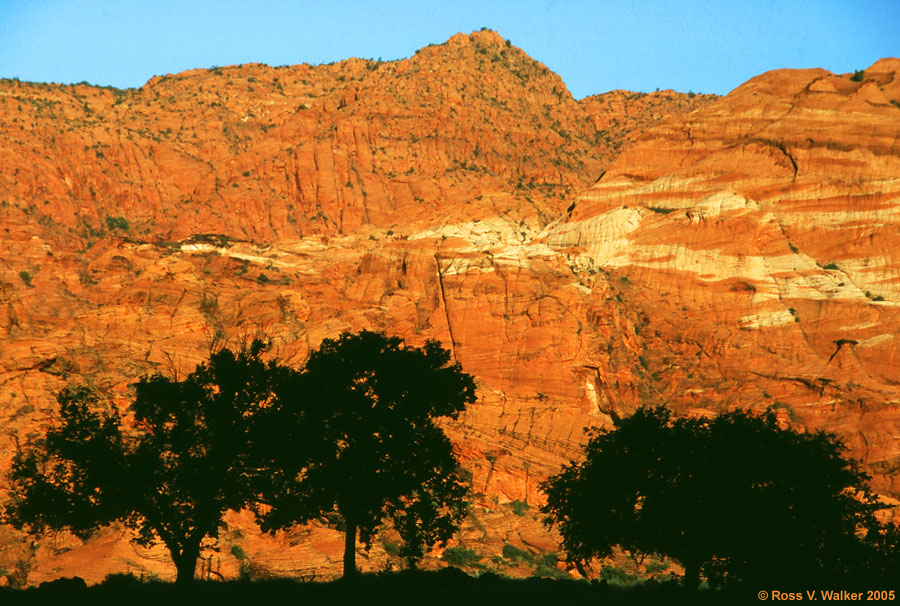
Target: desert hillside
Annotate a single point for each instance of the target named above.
(579, 258)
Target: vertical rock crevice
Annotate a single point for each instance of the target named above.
(440, 275)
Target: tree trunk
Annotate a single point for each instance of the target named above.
(692, 575)
(186, 564)
(350, 550)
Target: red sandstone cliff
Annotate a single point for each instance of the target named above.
(437, 197)
(758, 236)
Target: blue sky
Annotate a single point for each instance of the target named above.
(706, 46)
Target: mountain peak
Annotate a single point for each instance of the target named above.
(484, 36)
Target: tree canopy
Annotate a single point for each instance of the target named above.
(368, 448)
(734, 497)
(169, 469)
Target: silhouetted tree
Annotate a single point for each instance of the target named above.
(375, 452)
(169, 469)
(734, 497)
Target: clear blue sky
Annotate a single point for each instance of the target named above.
(707, 46)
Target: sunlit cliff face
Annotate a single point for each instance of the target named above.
(738, 256)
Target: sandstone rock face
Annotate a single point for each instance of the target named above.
(759, 237)
(281, 153)
(435, 198)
